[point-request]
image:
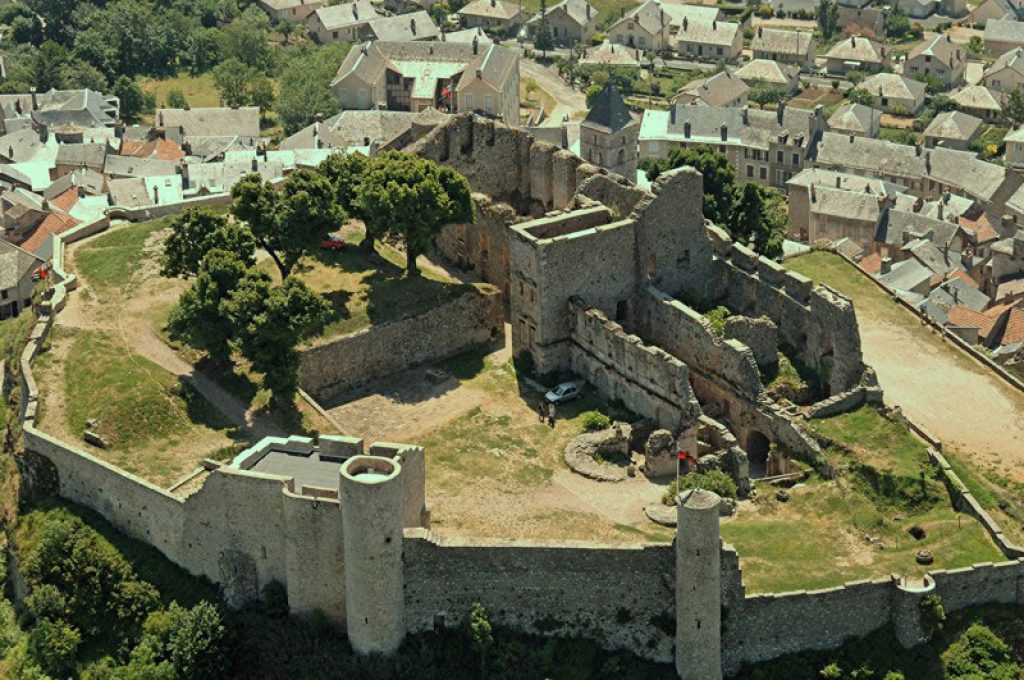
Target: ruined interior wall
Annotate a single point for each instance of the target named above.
(621, 196)
(649, 381)
(506, 163)
(597, 263)
(481, 246)
(618, 595)
(684, 333)
(337, 366)
(818, 323)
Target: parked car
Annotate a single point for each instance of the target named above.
(564, 392)
(332, 242)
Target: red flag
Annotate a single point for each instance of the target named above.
(683, 455)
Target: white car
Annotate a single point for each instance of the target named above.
(563, 392)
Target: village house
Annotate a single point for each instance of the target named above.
(856, 54)
(608, 135)
(19, 270)
(894, 93)
(82, 108)
(856, 119)
(1003, 35)
(1014, 141)
(938, 58)
(709, 40)
(786, 77)
(71, 157)
(412, 26)
(346, 21)
(994, 9)
(1006, 74)
(767, 147)
(570, 21)
(979, 101)
(296, 11)
(721, 89)
(646, 27)
(785, 47)
(952, 130)
(192, 124)
(812, 220)
(413, 76)
(361, 131)
(495, 15)
(857, 20)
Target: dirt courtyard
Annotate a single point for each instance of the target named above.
(493, 469)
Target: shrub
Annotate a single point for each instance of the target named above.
(980, 653)
(592, 421)
(933, 614)
(712, 480)
(53, 644)
(716, 317)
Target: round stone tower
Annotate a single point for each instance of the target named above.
(909, 620)
(371, 513)
(698, 587)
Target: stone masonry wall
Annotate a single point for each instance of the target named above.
(608, 593)
(684, 333)
(649, 381)
(819, 323)
(335, 367)
(506, 163)
(481, 246)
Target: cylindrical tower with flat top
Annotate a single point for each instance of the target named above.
(698, 587)
(371, 512)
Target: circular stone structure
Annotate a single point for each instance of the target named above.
(371, 512)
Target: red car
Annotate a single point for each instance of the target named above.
(332, 242)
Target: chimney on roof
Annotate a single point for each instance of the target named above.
(725, 132)
(760, 31)
(672, 114)
(588, 10)
(156, 195)
(17, 106)
(622, 11)
(35, 101)
(412, 26)
(10, 153)
(364, 48)
(839, 181)
(853, 41)
(355, 10)
(851, 138)
(814, 194)
(686, 23)
(476, 45)
(918, 204)
(255, 164)
(780, 112)
(319, 117)
(714, 25)
(494, 3)
(743, 114)
(940, 210)
(686, 129)
(928, 162)
(479, 73)
(663, 17)
(366, 141)
(886, 265)
(917, 149)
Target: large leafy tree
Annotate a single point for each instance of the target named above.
(345, 172)
(290, 222)
(196, 232)
(1014, 107)
(198, 319)
(859, 96)
(764, 92)
(758, 219)
(718, 179)
(412, 198)
(241, 85)
(543, 40)
(269, 322)
(305, 88)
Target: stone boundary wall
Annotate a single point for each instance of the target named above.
(471, 319)
(648, 380)
(845, 402)
(621, 595)
(481, 245)
(815, 320)
(762, 627)
(685, 333)
(943, 332)
(155, 211)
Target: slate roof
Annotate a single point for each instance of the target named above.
(212, 121)
(414, 26)
(345, 14)
(906, 275)
(717, 33)
(1014, 60)
(954, 125)
(779, 41)
(89, 155)
(853, 205)
(893, 86)
(610, 53)
(580, 11)
(86, 180)
(466, 35)
(127, 166)
(855, 118)
(493, 9)
(1004, 31)
(21, 146)
(751, 127)
(769, 71)
(955, 292)
(843, 180)
(15, 264)
(351, 129)
(650, 16)
(941, 48)
(84, 108)
(857, 48)
(871, 155)
(977, 97)
(609, 111)
(717, 90)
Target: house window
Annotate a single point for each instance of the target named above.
(885, 101)
(796, 159)
(780, 156)
(654, 146)
(489, 102)
(3, 294)
(764, 173)
(642, 41)
(750, 171)
(719, 51)
(470, 101)
(335, 34)
(746, 152)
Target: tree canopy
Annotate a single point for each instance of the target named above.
(197, 231)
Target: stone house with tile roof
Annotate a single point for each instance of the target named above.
(939, 58)
(952, 130)
(647, 27)
(979, 101)
(296, 11)
(1003, 35)
(785, 47)
(491, 14)
(894, 93)
(784, 76)
(721, 89)
(856, 119)
(856, 54)
(1006, 74)
(608, 135)
(18, 269)
(709, 40)
(346, 21)
(570, 21)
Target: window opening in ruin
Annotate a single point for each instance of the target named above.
(621, 310)
(758, 447)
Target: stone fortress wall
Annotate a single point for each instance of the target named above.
(334, 367)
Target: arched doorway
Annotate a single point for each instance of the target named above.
(757, 448)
